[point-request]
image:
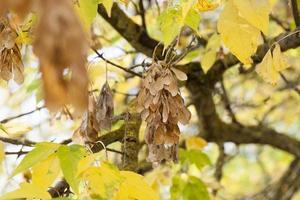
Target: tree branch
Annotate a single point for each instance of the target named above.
(284, 188)
(136, 35)
(20, 115)
(295, 10)
(116, 65)
(23, 142)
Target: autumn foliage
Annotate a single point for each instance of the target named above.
(149, 99)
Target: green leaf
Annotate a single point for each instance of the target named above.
(195, 189)
(177, 187)
(69, 157)
(87, 10)
(194, 156)
(41, 152)
(192, 19)
(187, 188)
(170, 23)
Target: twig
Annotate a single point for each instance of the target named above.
(16, 153)
(295, 10)
(288, 83)
(282, 24)
(23, 142)
(113, 150)
(142, 13)
(116, 65)
(219, 165)
(157, 6)
(227, 103)
(20, 115)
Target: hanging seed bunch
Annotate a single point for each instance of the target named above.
(61, 46)
(98, 117)
(105, 108)
(162, 107)
(11, 66)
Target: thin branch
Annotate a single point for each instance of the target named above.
(282, 24)
(295, 10)
(20, 115)
(157, 6)
(23, 142)
(297, 90)
(16, 153)
(115, 151)
(116, 65)
(142, 13)
(227, 103)
(219, 165)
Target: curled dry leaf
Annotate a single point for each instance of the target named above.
(61, 47)
(88, 130)
(98, 117)
(162, 107)
(105, 107)
(11, 66)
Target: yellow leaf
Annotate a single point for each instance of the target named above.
(24, 38)
(87, 11)
(135, 187)
(2, 154)
(208, 60)
(45, 173)
(186, 7)
(265, 69)
(27, 191)
(210, 53)
(237, 34)
(279, 61)
(195, 143)
(270, 66)
(256, 12)
(101, 182)
(205, 5)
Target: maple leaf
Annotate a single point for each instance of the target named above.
(256, 12)
(237, 34)
(271, 65)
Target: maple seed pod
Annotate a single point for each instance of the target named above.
(98, 116)
(105, 108)
(60, 44)
(11, 65)
(162, 107)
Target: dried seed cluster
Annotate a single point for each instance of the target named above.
(162, 107)
(11, 66)
(61, 47)
(98, 117)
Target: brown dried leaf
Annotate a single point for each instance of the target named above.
(105, 107)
